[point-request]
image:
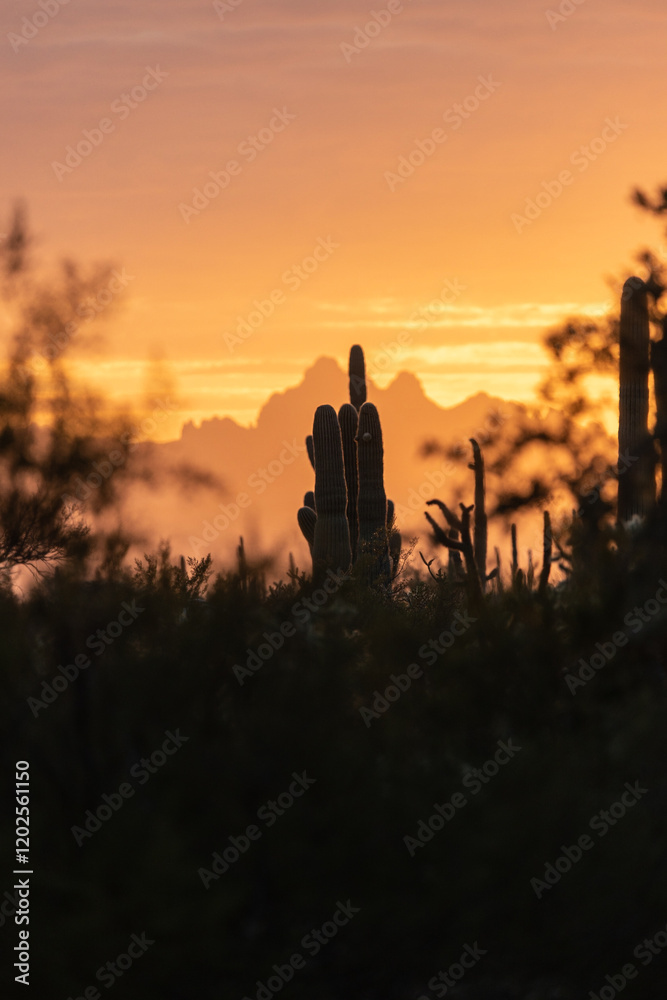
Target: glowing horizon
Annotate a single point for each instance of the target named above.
(319, 176)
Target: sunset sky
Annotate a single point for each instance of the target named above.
(316, 111)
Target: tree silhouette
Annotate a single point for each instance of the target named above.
(50, 432)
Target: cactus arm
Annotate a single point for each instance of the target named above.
(441, 535)
(465, 547)
(453, 521)
(331, 542)
(309, 499)
(372, 504)
(357, 374)
(349, 423)
(307, 519)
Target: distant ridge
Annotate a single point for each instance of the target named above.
(267, 465)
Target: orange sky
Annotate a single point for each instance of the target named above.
(434, 258)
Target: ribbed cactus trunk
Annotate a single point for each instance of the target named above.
(636, 488)
(331, 542)
(372, 497)
(349, 424)
(659, 365)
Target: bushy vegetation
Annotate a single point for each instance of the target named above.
(176, 668)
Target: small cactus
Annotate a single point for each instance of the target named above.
(465, 547)
(547, 547)
(515, 554)
(481, 531)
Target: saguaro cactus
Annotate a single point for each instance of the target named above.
(331, 543)
(636, 487)
(372, 497)
(462, 526)
(351, 481)
(659, 365)
(349, 425)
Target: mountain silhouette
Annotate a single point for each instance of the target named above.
(264, 469)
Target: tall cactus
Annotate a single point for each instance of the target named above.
(481, 530)
(331, 543)
(372, 497)
(636, 489)
(348, 457)
(659, 365)
(349, 425)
